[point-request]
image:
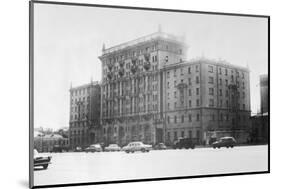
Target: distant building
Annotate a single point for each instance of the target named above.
(150, 94)
(260, 122)
(46, 143)
(84, 123)
(264, 93)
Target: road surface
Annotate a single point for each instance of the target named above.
(77, 167)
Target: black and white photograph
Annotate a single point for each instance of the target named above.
(123, 94)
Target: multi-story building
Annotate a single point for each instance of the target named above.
(206, 99)
(260, 122)
(264, 93)
(132, 84)
(150, 93)
(84, 123)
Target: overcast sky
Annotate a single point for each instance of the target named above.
(68, 41)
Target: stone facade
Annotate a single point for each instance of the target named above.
(84, 123)
(150, 93)
(131, 89)
(206, 99)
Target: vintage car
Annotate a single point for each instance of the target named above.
(112, 148)
(78, 149)
(160, 146)
(94, 148)
(184, 143)
(137, 146)
(59, 148)
(40, 160)
(224, 142)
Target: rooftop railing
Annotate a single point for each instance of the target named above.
(142, 39)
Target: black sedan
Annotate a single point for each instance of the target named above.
(41, 161)
(224, 142)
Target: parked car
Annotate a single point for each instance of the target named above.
(137, 146)
(40, 160)
(184, 143)
(160, 146)
(224, 142)
(59, 148)
(94, 148)
(112, 148)
(78, 149)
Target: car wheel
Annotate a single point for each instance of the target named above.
(45, 166)
(127, 151)
(227, 146)
(231, 146)
(219, 147)
(143, 150)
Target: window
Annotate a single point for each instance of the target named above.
(197, 102)
(197, 117)
(168, 106)
(182, 134)
(168, 85)
(243, 106)
(243, 94)
(243, 85)
(189, 92)
(211, 91)
(220, 92)
(190, 134)
(220, 71)
(211, 102)
(175, 105)
(211, 79)
(197, 68)
(181, 71)
(226, 103)
(210, 68)
(175, 135)
(189, 81)
(212, 117)
(226, 71)
(189, 70)
(220, 103)
(182, 118)
(175, 119)
(168, 134)
(197, 80)
(167, 59)
(197, 91)
(175, 73)
(175, 94)
(226, 93)
(220, 81)
(168, 74)
(189, 118)
(242, 75)
(226, 82)
(190, 103)
(168, 119)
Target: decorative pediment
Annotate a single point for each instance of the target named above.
(147, 57)
(110, 66)
(121, 72)
(147, 66)
(121, 63)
